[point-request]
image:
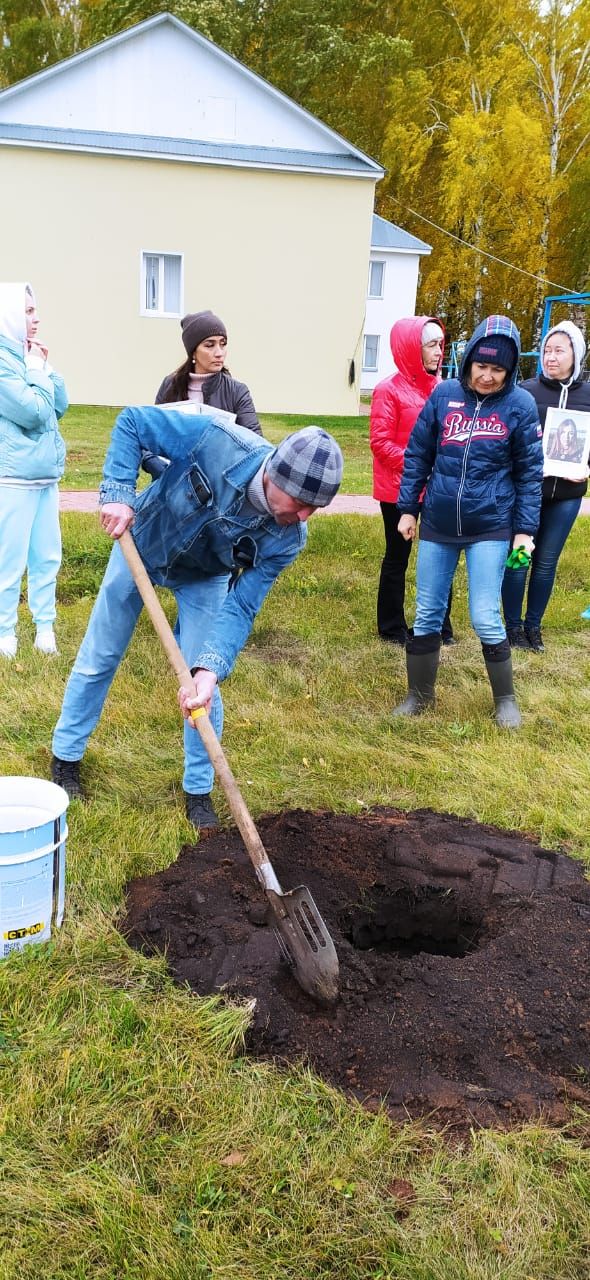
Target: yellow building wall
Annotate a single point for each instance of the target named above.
(281, 257)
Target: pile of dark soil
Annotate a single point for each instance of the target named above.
(464, 958)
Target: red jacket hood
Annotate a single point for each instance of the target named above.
(406, 348)
(395, 405)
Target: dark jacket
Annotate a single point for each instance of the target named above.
(220, 391)
(546, 393)
(481, 458)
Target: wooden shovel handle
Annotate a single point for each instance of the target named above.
(203, 724)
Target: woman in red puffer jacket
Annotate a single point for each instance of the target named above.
(417, 346)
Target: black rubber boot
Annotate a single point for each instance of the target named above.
(200, 812)
(499, 668)
(66, 774)
(422, 658)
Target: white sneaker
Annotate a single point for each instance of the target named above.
(8, 646)
(45, 640)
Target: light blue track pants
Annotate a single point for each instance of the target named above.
(110, 628)
(30, 539)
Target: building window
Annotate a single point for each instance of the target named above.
(376, 274)
(371, 352)
(161, 284)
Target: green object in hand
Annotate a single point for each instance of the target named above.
(519, 558)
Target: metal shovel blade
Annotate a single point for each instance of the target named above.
(305, 943)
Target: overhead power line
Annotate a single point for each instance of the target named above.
(482, 252)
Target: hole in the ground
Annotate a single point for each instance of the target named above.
(495, 1031)
(430, 920)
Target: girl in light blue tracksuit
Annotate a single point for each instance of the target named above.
(32, 456)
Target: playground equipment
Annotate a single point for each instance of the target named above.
(451, 366)
(567, 299)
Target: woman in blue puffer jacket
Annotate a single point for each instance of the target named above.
(32, 456)
(477, 447)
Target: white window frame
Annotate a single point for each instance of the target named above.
(371, 368)
(161, 254)
(376, 262)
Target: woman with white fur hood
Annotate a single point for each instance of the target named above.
(560, 386)
(32, 456)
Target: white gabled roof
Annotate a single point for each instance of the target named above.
(388, 237)
(161, 88)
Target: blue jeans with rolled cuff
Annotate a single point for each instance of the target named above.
(110, 628)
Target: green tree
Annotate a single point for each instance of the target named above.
(336, 59)
(221, 21)
(34, 35)
(469, 147)
(558, 54)
(480, 114)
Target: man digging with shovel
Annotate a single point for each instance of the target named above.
(228, 500)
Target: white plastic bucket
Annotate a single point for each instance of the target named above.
(33, 832)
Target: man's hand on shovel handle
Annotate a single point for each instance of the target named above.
(116, 517)
(200, 696)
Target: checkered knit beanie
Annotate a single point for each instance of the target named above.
(308, 466)
(498, 349)
(198, 326)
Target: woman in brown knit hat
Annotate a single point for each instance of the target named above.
(203, 378)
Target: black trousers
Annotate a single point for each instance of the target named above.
(391, 618)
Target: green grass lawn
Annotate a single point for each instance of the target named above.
(138, 1141)
(87, 430)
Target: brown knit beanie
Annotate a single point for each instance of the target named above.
(199, 325)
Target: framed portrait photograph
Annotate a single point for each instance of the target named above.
(566, 443)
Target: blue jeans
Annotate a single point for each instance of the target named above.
(435, 570)
(30, 539)
(557, 519)
(111, 626)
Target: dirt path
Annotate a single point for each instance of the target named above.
(87, 500)
(344, 503)
(464, 954)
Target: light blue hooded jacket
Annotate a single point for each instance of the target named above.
(31, 400)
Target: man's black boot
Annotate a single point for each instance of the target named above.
(200, 812)
(422, 658)
(66, 774)
(499, 668)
